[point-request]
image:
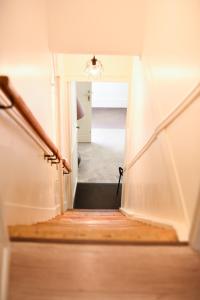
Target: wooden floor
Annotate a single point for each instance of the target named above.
(103, 272)
(94, 226)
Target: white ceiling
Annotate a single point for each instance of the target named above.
(96, 26)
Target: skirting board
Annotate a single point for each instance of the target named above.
(181, 230)
(22, 214)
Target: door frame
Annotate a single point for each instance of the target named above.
(65, 134)
(194, 238)
(67, 186)
(4, 255)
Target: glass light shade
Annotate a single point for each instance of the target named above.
(94, 68)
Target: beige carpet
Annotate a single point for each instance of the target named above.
(101, 159)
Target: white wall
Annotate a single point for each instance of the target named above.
(29, 186)
(97, 26)
(109, 94)
(164, 183)
(24, 54)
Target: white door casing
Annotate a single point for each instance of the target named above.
(68, 138)
(73, 146)
(4, 255)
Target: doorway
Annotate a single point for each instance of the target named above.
(101, 134)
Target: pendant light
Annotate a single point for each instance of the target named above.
(94, 68)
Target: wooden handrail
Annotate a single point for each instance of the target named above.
(165, 123)
(23, 109)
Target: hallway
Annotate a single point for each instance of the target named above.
(149, 248)
(101, 158)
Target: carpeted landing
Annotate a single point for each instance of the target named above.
(93, 226)
(97, 196)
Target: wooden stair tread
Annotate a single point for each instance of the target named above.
(93, 226)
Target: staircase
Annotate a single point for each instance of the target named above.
(91, 226)
(88, 257)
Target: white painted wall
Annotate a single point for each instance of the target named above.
(109, 94)
(164, 183)
(97, 26)
(29, 186)
(24, 54)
